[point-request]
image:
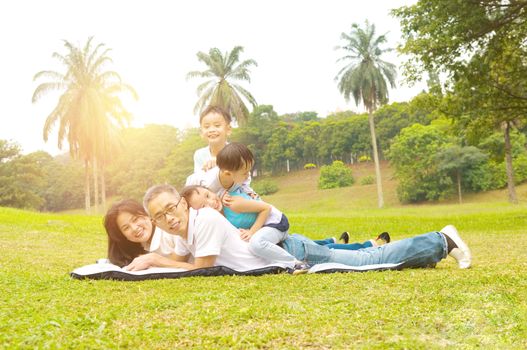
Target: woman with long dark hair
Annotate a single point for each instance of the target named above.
(131, 234)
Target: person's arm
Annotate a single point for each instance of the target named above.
(209, 164)
(146, 261)
(242, 205)
(246, 187)
(198, 160)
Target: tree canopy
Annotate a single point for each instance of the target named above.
(219, 87)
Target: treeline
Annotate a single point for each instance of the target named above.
(433, 156)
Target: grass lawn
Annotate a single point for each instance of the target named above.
(483, 307)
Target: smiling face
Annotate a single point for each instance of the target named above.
(202, 197)
(214, 129)
(136, 228)
(170, 213)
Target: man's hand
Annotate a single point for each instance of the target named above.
(209, 164)
(246, 234)
(142, 262)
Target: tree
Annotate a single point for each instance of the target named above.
(88, 110)
(22, 177)
(144, 154)
(480, 45)
(390, 119)
(456, 160)
(364, 77)
(257, 132)
(218, 88)
(179, 163)
(413, 154)
(63, 187)
(300, 117)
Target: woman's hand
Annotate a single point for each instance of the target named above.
(143, 262)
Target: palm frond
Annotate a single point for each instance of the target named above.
(198, 74)
(44, 88)
(365, 76)
(248, 96)
(204, 85)
(233, 56)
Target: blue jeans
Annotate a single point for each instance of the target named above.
(328, 242)
(264, 244)
(418, 251)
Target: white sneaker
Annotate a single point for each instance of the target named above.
(462, 252)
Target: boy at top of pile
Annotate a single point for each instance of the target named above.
(215, 128)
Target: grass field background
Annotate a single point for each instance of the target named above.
(483, 307)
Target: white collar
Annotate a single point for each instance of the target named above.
(155, 243)
(192, 215)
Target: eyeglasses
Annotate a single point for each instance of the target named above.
(170, 210)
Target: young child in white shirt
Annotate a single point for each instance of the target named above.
(215, 128)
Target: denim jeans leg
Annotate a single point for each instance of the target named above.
(304, 249)
(324, 241)
(264, 244)
(418, 251)
(350, 246)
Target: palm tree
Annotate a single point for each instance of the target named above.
(364, 77)
(218, 89)
(88, 110)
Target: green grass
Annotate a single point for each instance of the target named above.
(483, 307)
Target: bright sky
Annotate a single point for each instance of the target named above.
(154, 45)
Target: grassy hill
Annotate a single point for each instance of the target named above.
(483, 307)
(298, 192)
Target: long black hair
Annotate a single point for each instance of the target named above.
(121, 251)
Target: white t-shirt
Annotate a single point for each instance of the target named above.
(209, 179)
(209, 233)
(162, 243)
(201, 156)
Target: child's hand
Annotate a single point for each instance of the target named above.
(254, 195)
(246, 234)
(227, 200)
(209, 164)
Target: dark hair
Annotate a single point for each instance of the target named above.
(155, 191)
(218, 110)
(234, 156)
(188, 191)
(121, 251)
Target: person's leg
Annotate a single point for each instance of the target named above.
(350, 246)
(325, 241)
(418, 251)
(264, 244)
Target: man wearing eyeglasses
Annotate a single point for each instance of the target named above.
(204, 234)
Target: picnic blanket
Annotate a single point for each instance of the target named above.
(103, 270)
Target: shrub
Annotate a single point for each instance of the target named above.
(265, 187)
(367, 180)
(335, 175)
(310, 166)
(364, 158)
